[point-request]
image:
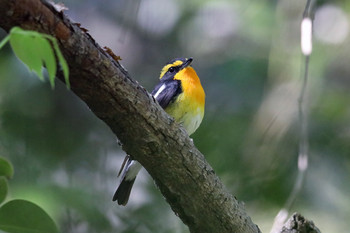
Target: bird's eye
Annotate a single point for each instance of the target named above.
(171, 69)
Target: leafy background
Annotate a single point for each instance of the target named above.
(247, 54)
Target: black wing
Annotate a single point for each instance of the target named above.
(169, 93)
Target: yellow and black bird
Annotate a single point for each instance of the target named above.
(181, 95)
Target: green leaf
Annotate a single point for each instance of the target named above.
(48, 57)
(20, 216)
(6, 168)
(35, 50)
(4, 41)
(63, 63)
(25, 45)
(3, 188)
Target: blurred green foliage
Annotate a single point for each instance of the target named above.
(248, 57)
(21, 216)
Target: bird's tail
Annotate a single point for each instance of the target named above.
(123, 191)
(129, 174)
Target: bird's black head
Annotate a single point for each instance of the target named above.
(174, 66)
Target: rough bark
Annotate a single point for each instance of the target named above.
(298, 224)
(146, 132)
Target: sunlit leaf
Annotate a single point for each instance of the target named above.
(47, 54)
(20, 216)
(6, 168)
(63, 63)
(35, 50)
(25, 47)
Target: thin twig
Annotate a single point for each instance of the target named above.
(303, 121)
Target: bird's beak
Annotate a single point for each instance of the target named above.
(187, 63)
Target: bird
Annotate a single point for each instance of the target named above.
(180, 93)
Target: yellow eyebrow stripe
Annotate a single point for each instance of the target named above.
(166, 68)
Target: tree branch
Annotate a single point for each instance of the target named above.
(297, 223)
(146, 132)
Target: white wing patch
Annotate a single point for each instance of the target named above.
(132, 170)
(159, 91)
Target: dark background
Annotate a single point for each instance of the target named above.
(247, 54)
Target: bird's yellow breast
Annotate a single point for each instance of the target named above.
(188, 109)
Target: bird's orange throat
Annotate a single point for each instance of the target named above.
(191, 85)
